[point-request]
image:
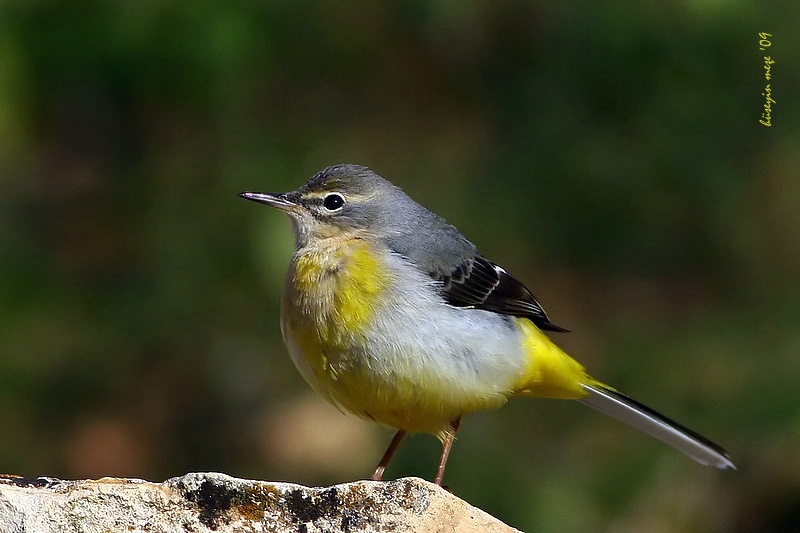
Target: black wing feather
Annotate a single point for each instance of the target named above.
(481, 284)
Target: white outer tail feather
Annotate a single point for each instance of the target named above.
(643, 418)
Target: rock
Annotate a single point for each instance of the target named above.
(200, 502)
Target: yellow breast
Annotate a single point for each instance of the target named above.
(331, 294)
(336, 288)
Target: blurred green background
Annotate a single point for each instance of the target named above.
(609, 155)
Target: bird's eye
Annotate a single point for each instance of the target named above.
(333, 201)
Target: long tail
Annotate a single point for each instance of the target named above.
(641, 417)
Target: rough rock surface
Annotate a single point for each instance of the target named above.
(199, 503)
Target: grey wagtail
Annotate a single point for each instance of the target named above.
(389, 312)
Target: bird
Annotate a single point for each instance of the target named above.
(391, 314)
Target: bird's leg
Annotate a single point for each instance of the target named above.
(447, 443)
(378, 474)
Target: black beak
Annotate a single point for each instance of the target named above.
(279, 200)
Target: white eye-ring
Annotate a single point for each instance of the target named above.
(333, 201)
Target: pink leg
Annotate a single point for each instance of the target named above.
(381, 468)
(446, 445)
